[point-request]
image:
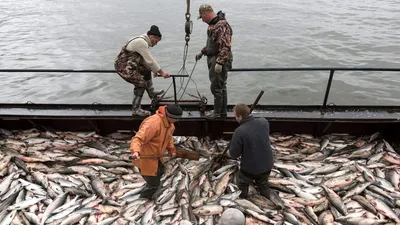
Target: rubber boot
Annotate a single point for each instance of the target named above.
(150, 90)
(148, 192)
(243, 183)
(224, 104)
(217, 108)
(265, 191)
(244, 191)
(136, 108)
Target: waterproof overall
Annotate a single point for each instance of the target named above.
(218, 80)
(153, 182)
(129, 66)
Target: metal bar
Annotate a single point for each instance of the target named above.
(55, 71)
(179, 101)
(267, 108)
(313, 68)
(173, 81)
(66, 71)
(328, 88)
(187, 6)
(256, 101)
(232, 70)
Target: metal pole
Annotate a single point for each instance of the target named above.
(256, 101)
(68, 71)
(328, 87)
(232, 70)
(173, 81)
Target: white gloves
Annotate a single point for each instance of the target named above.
(218, 68)
(198, 56)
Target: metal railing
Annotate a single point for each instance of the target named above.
(78, 71)
(330, 69)
(327, 90)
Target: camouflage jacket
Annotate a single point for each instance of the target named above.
(220, 32)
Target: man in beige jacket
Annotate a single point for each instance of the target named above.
(135, 63)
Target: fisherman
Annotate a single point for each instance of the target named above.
(134, 64)
(154, 136)
(251, 143)
(232, 216)
(219, 56)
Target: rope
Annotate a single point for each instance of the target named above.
(190, 79)
(183, 71)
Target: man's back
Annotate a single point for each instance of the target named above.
(256, 153)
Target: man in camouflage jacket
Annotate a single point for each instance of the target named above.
(219, 56)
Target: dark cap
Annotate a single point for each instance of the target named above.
(154, 31)
(173, 111)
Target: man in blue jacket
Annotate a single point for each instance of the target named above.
(251, 142)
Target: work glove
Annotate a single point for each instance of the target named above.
(198, 56)
(218, 68)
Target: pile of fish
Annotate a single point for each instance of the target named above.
(53, 177)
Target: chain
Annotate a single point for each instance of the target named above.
(188, 24)
(188, 28)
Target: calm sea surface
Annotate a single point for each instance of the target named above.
(55, 34)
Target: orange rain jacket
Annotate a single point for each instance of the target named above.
(154, 136)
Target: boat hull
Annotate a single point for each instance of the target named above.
(105, 119)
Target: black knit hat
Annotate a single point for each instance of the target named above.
(173, 111)
(154, 31)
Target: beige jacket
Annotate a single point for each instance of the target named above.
(141, 46)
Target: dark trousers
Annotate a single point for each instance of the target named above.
(261, 180)
(152, 182)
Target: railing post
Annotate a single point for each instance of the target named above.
(328, 88)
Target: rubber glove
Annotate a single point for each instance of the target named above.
(218, 68)
(198, 56)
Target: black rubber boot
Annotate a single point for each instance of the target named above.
(148, 192)
(136, 108)
(150, 90)
(217, 108)
(224, 103)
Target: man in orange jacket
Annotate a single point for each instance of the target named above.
(154, 136)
